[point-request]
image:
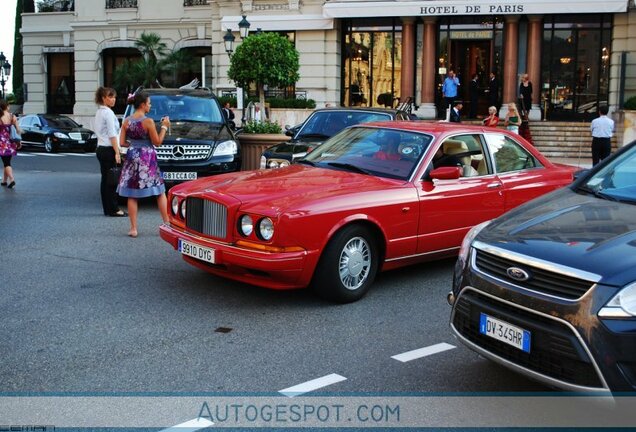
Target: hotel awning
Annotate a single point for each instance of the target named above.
(361, 9)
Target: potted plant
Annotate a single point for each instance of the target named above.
(255, 138)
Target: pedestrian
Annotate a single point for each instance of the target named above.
(513, 119)
(525, 94)
(107, 131)
(140, 175)
(455, 114)
(229, 115)
(450, 87)
(474, 96)
(8, 148)
(524, 129)
(493, 91)
(492, 120)
(602, 130)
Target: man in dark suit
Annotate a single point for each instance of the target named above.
(493, 91)
(474, 96)
(455, 116)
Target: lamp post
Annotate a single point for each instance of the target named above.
(5, 71)
(228, 40)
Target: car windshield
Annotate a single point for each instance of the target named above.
(60, 122)
(328, 123)
(184, 108)
(375, 151)
(616, 181)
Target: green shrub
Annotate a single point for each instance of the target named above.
(266, 127)
(230, 99)
(630, 104)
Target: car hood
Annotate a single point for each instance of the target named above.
(294, 188)
(194, 131)
(572, 229)
(71, 129)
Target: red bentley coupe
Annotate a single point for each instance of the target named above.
(374, 197)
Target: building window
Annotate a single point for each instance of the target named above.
(197, 64)
(111, 59)
(575, 66)
(60, 98)
(195, 2)
(119, 4)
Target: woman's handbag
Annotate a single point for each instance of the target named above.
(113, 175)
(15, 136)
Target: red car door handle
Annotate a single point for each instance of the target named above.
(493, 185)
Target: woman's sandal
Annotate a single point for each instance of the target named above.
(3, 184)
(10, 185)
(132, 233)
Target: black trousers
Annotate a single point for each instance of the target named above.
(601, 148)
(106, 158)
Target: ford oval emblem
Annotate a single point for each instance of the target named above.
(518, 274)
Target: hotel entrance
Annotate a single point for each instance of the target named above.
(472, 57)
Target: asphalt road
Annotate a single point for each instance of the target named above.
(84, 308)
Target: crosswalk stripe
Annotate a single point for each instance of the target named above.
(312, 385)
(423, 352)
(26, 154)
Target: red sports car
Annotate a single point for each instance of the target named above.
(374, 197)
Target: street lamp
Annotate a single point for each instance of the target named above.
(228, 40)
(5, 71)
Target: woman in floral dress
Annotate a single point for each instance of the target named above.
(140, 175)
(8, 148)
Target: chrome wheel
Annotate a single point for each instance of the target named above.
(48, 145)
(354, 263)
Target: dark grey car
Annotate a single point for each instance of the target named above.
(549, 289)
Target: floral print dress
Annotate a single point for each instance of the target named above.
(140, 175)
(7, 148)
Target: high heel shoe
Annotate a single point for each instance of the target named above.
(3, 184)
(10, 185)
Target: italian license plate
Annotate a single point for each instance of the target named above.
(195, 251)
(167, 175)
(504, 332)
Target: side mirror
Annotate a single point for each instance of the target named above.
(446, 173)
(289, 132)
(580, 173)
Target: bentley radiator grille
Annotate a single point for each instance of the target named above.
(540, 280)
(206, 217)
(189, 152)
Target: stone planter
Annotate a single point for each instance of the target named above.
(253, 146)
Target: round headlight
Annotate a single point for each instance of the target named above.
(183, 209)
(266, 229)
(174, 205)
(246, 225)
(263, 164)
(284, 163)
(273, 164)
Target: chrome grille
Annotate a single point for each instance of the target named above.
(191, 152)
(77, 136)
(206, 217)
(541, 280)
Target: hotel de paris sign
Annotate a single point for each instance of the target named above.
(362, 8)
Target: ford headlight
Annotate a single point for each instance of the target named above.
(468, 240)
(183, 209)
(273, 164)
(93, 136)
(225, 148)
(60, 135)
(284, 163)
(246, 225)
(174, 205)
(266, 229)
(622, 305)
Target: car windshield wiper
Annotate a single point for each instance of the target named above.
(306, 162)
(348, 167)
(313, 135)
(597, 193)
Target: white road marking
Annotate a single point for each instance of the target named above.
(190, 426)
(50, 154)
(312, 385)
(26, 154)
(423, 352)
(79, 154)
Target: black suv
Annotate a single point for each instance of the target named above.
(200, 141)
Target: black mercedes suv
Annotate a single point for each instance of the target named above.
(200, 141)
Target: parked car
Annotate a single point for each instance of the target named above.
(368, 199)
(199, 142)
(321, 125)
(549, 289)
(54, 132)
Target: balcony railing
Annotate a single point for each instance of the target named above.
(195, 2)
(119, 4)
(56, 6)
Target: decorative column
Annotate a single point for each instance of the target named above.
(427, 109)
(511, 53)
(535, 25)
(407, 77)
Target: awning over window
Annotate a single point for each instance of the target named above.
(369, 8)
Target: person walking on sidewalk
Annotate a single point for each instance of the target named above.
(107, 131)
(8, 148)
(602, 130)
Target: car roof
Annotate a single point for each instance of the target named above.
(365, 109)
(199, 92)
(433, 127)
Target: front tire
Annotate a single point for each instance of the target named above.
(49, 147)
(347, 266)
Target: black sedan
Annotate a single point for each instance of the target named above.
(54, 132)
(319, 126)
(549, 289)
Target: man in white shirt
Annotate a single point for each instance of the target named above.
(602, 130)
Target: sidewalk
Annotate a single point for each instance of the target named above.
(582, 163)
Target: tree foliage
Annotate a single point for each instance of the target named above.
(264, 59)
(17, 69)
